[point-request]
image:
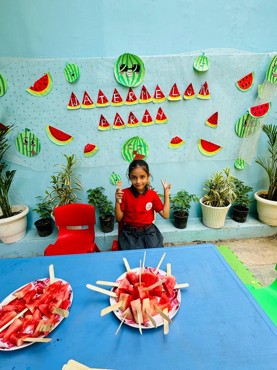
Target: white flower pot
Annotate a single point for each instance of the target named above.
(214, 217)
(267, 209)
(13, 228)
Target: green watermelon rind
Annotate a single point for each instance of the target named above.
(209, 122)
(3, 85)
(45, 91)
(176, 145)
(134, 80)
(239, 164)
(91, 152)
(272, 69)
(252, 110)
(250, 76)
(204, 151)
(71, 67)
(50, 132)
(198, 61)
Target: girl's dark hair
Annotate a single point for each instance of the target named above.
(138, 163)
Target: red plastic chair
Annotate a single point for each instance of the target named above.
(76, 232)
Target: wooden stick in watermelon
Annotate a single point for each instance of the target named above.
(38, 339)
(122, 322)
(111, 308)
(166, 326)
(163, 314)
(168, 269)
(160, 282)
(12, 320)
(127, 266)
(101, 290)
(76, 365)
(143, 261)
(108, 283)
(51, 274)
(159, 264)
(180, 286)
(60, 311)
(150, 317)
(119, 184)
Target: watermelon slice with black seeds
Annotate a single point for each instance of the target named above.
(57, 136)
(212, 121)
(42, 86)
(259, 111)
(246, 82)
(208, 148)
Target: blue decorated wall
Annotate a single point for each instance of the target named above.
(39, 37)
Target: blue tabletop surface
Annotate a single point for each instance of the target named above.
(218, 326)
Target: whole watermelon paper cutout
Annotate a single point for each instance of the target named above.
(271, 73)
(57, 136)
(27, 143)
(201, 63)
(114, 178)
(71, 72)
(135, 148)
(3, 85)
(212, 121)
(129, 70)
(239, 164)
(246, 82)
(176, 142)
(42, 86)
(90, 150)
(246, 125)
(208, 148)
(259, 111)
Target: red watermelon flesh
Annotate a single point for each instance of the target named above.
(58, 136)
(260, 110)
(148, 278)
(246, 82)
(208, 148)
(212, 120)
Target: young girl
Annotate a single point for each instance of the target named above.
(135, 207)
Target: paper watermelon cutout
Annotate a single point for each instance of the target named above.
(3, 85)
(27, 143)
(246, 125)
(131, 98)
(259, 111)
(132, 120)
(73, 102)
(271, 73)
(176, 142)
(118, 122)
(117, 99)
(174, 93)
(161, 117)
(102, 100)
(103, 124)
(212, 121)
(159, 96)
(246, 82)
(189, 93)
(42, 86)
(90, 150)
(201, 63)
(204, 92)
(147, 119)
(71, 72)
(135, 148)
(145, 97)
(239, 164)
(208, 148)
(129, 70)
(57, 136)
(87, 102)
(114, 178)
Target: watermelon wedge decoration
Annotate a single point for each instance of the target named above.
(147, 119)
(161, 117)
(117, 99)
(271, 73)
(259, 111)
(132, 120)
(42, 86)
(135, 148)
(174, 93)
(129, 70)
(212, 121)
(246, 82)
(208, 148)
(73, 102)
(90, 150)
(71, 72)
(145, 96)
(102, 100)
(159, 96)
(176, 142)
(57, 136)
(3, 85)
(103, 124)
(201, 63)
(118, 122)
(189, 92)
(204, 92)
(131, 98)
(87, 102)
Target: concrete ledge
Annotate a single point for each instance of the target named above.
(33, 245)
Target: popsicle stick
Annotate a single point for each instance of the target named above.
(143, 261)
(109, 283)
(75, 365)
(51, 274)
(60, 311)
(166, 325)
(180, 286)
(127, 266)
(121, 323)
(119, 184)
(168, 269)
(150, 317)
(159, 264)
(139, 324)
(111, 308)
(101, 290)
(162, 314)
(140, 270)
(43, 340)
(160, 282)
(12, 320)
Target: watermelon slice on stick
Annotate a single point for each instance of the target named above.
(57, 136)
(259, 111)
(42, 86)
(246, 82)
(208, 148)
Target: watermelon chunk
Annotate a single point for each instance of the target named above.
(42, 86)
(259, 111)
(57, 136)
(208, 148)
(246, 82)
(90, 150)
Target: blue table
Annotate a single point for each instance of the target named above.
(219, 324)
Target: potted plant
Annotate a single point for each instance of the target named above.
(267, 199)
(13, 218)
(105, 207)
(44, 224)
(242, 203)
(180, 204)
(220, 194)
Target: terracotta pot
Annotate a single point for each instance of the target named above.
(267, 209)
(213, 217)
(13, 228)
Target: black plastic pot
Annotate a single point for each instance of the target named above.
(180, 221)
(240, 213)
(107, 224)
(44, 226)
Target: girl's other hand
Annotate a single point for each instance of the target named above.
(166, 186)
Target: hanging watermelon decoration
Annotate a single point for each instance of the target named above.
(212, 121)
(259, 111)
(42, 86)
(271, 74)
(239, 164)
(246, 125)
(131, 98)
(246, 82)
(135, 148)
(147, 119)
(159, 96)
(118, 122)
(114, 178)
(71, 72)
(27, 143)
(161, 117)
(90, 150)
(129, 70)
(57, 136)
(176, 142)
(204, 92)
(208, 148)
(3, 85)
(189, 92)
(132, 120)
(201, 63)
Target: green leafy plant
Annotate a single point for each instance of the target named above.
(269, 163)
(43, 208)
(181, 202)
(99, 200)
(242, 193)
(220, 189)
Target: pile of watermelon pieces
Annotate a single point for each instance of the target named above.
(136, 298)
(39, 299)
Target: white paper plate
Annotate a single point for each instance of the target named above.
(3, 345)
(176, 302)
